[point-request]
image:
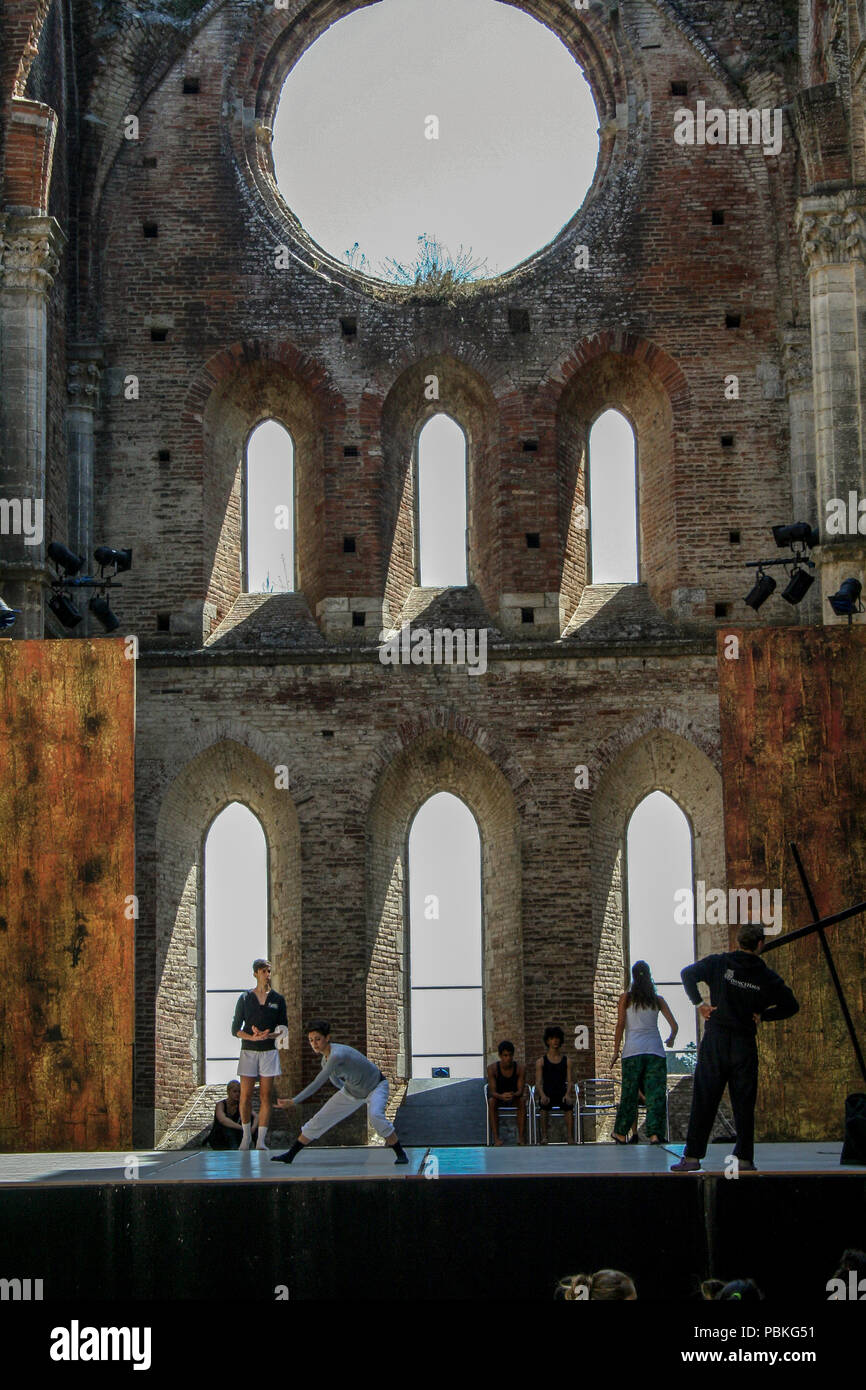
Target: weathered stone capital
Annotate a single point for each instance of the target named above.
(30, 249)
(82, 380)
(797, 358)
(832, 228)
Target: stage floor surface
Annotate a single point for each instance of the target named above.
(376, 1164)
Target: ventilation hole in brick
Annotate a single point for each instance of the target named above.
(533, 540)
(727, 441)
(349, 327)
(518, 320)
(359, 619)
(530, 446)
(349, 545)
(191, 86)
(327, 733)
(732, 320)
(527, 615)
(679, 89)
(163, 622)
(721, 610)
(150, 229)
(717, 217)
(164, 456)
(149, 161)
(158, 335)
(734, 537)
(350, 451)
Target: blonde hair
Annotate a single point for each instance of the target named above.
(605, 1284)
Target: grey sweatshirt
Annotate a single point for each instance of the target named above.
(347, 1069)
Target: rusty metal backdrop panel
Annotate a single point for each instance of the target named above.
(793, 720)
(67, 928)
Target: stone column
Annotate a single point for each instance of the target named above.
(84, 369)
(30, 248)
(833, 242)
(797, 375)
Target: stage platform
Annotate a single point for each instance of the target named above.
(455, 1223)
(377, 1164)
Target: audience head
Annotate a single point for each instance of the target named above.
(851, 1259)
(750, 936)
(642, 991)
(609, 1285)
(740, 1291)
(711, 1288)
(553, 1033)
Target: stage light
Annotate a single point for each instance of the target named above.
(64, 559)
(64, 610)
(802, 531)
(765, 585)
(7, 615)
(105, 556)
(847, 601)
(103, 614)
(798, 585)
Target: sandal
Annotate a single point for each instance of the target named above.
(617, 1140)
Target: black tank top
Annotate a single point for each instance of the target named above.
(554, 1077)
(504, 1083)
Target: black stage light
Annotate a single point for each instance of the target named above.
(765, 585)
(65, 559)
(7, 614)
(786, 536)
(847, 600)
(798, 585)
(64, 610)
(105, 556)
(101, 611)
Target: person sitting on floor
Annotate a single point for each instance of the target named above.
(227, 1130)
(506, 1085)
(554, 1087)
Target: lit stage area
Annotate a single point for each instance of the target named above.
(456, 1223)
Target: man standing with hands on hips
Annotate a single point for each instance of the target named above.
(743, 993)
(259, 1013)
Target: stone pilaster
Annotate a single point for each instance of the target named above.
(84, 370)
(30, 249)
(832, 232)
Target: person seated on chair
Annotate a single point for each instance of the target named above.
(553, 1084)
(506, 1085)
(227, 1130)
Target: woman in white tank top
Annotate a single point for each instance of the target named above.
(644, 1065)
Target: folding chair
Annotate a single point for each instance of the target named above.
(535, 1112)
(599, 1093)
(509, 1110)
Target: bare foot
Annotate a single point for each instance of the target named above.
(498, 1143)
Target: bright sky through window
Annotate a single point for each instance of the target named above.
(270, 512)
(517, 139)
(442, 504)
(613, 500)
(659, 854)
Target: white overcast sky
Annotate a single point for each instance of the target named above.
(516, 154)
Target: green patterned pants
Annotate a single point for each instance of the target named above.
(649, 1074)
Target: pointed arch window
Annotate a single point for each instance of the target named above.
(613, 500)
(445, 939)
(441, 509)
(235, 927)
(269, 510)
(661, 928)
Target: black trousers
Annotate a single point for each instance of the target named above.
(724, 1058)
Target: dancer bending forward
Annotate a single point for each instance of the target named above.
(359, 1082)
